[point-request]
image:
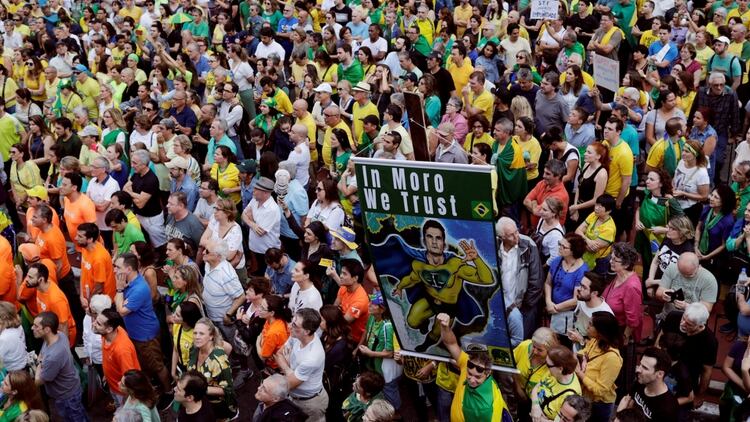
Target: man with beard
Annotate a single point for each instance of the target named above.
(588, 294)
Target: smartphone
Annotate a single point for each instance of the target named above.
(678, 294)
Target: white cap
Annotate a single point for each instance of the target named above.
(324, 87)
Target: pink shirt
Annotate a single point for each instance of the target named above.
(625, 301)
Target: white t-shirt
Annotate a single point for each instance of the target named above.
(688, 180)
(233, 238)
(204, 210)
(263, 51)
(583, 315)
(332, 215)
(13, 348)
(376, 47)
(240, 73)
(300, 156)
(309, 298)
(743, 152)
(100, 192)
(308, 364)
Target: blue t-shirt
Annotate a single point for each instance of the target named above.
(630, 136)
(563, 282)
(141, 322)
(281, 281)
(671, 55)
(296, 200)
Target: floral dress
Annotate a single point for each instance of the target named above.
(218, 372)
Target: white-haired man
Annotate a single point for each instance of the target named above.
(521, 272)
(222, 290)
(700, 349)
(274, 404)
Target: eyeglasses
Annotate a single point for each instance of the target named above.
(229, 91)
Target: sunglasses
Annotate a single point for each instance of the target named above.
(474, 366)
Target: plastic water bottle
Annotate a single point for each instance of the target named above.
(741, 280)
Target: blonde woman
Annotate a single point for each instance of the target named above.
(12, 338)
(209, 358)
(114, 127)
(531, 362)
(106, 100)
(520, 107)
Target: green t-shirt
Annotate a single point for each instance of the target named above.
(124, 240)
(379, 339)
(198, 30)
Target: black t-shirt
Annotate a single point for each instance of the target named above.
(149, 184)
(71, 146)
(699, 349)
(588, 25)
(678, 381)
(658, 408)
(445, 85)
(343, 15)
(204, 414)
(669, 252)
(643, 23)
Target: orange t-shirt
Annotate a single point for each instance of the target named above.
(52, 245)
(357, 306)
(7, 273)
(76, 213)
(27, 295)
(54, 300)
(96, 267)
(33, 231)
(274, 336)
(117, 358)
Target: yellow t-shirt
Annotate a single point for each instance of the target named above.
(529, 376)
(9, 89)
(551, 387)
(89, 92)
(588, 80)
(358, 113)
(312, 135)
(229, 178)
(282, 102)
(461, 73)
(484, 101)
(534, 149)
(655, 157)
(469, 142)
(462, 13)
(745, 17)
(648, 37)
(621, 164)
(605, 231)
(702, 57)
(642, 102)
(326, 151)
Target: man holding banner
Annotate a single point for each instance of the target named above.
(477, 395)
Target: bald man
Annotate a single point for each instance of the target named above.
(300, 155)
(696, 283)
(303, 116)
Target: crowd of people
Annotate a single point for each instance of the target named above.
(181, 225)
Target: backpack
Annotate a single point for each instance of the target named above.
(243, 126)
(729, 76)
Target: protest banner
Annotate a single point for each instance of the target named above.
(544, 9)
(606, 72)
(431, 235)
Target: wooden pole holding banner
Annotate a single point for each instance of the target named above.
(417, 125)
